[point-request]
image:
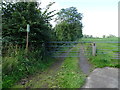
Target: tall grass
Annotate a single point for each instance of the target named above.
(18, 64)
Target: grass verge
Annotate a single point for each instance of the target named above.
(69, 75)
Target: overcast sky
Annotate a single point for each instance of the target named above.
(100, 17)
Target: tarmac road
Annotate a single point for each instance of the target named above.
(103, 78)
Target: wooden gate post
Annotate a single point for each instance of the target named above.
(93, 48)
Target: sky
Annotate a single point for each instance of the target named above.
(100, 17)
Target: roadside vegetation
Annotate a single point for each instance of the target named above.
(17, 65)
(68, 75)
(20, 61)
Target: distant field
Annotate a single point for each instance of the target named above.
(100, 39)
(107, 52)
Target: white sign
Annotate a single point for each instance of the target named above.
(28, 28)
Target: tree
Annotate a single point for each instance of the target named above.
(69, 14)
(16, 16)
(111, 36)
(69, 26)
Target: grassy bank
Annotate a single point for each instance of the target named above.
(105, 55)
(17, 64)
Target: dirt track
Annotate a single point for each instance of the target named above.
(41, 80)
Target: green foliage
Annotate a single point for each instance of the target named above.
(16, 16)
(16, 62)
(48, 76)
(69, 14)
(69, 26)
(17, 65)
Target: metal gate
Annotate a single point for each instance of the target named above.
(60, 47)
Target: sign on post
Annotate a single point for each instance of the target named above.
(28, 28)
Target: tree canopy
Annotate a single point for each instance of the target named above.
(16, 16)
(69, 25)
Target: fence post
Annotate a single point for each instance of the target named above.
(93, 48)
